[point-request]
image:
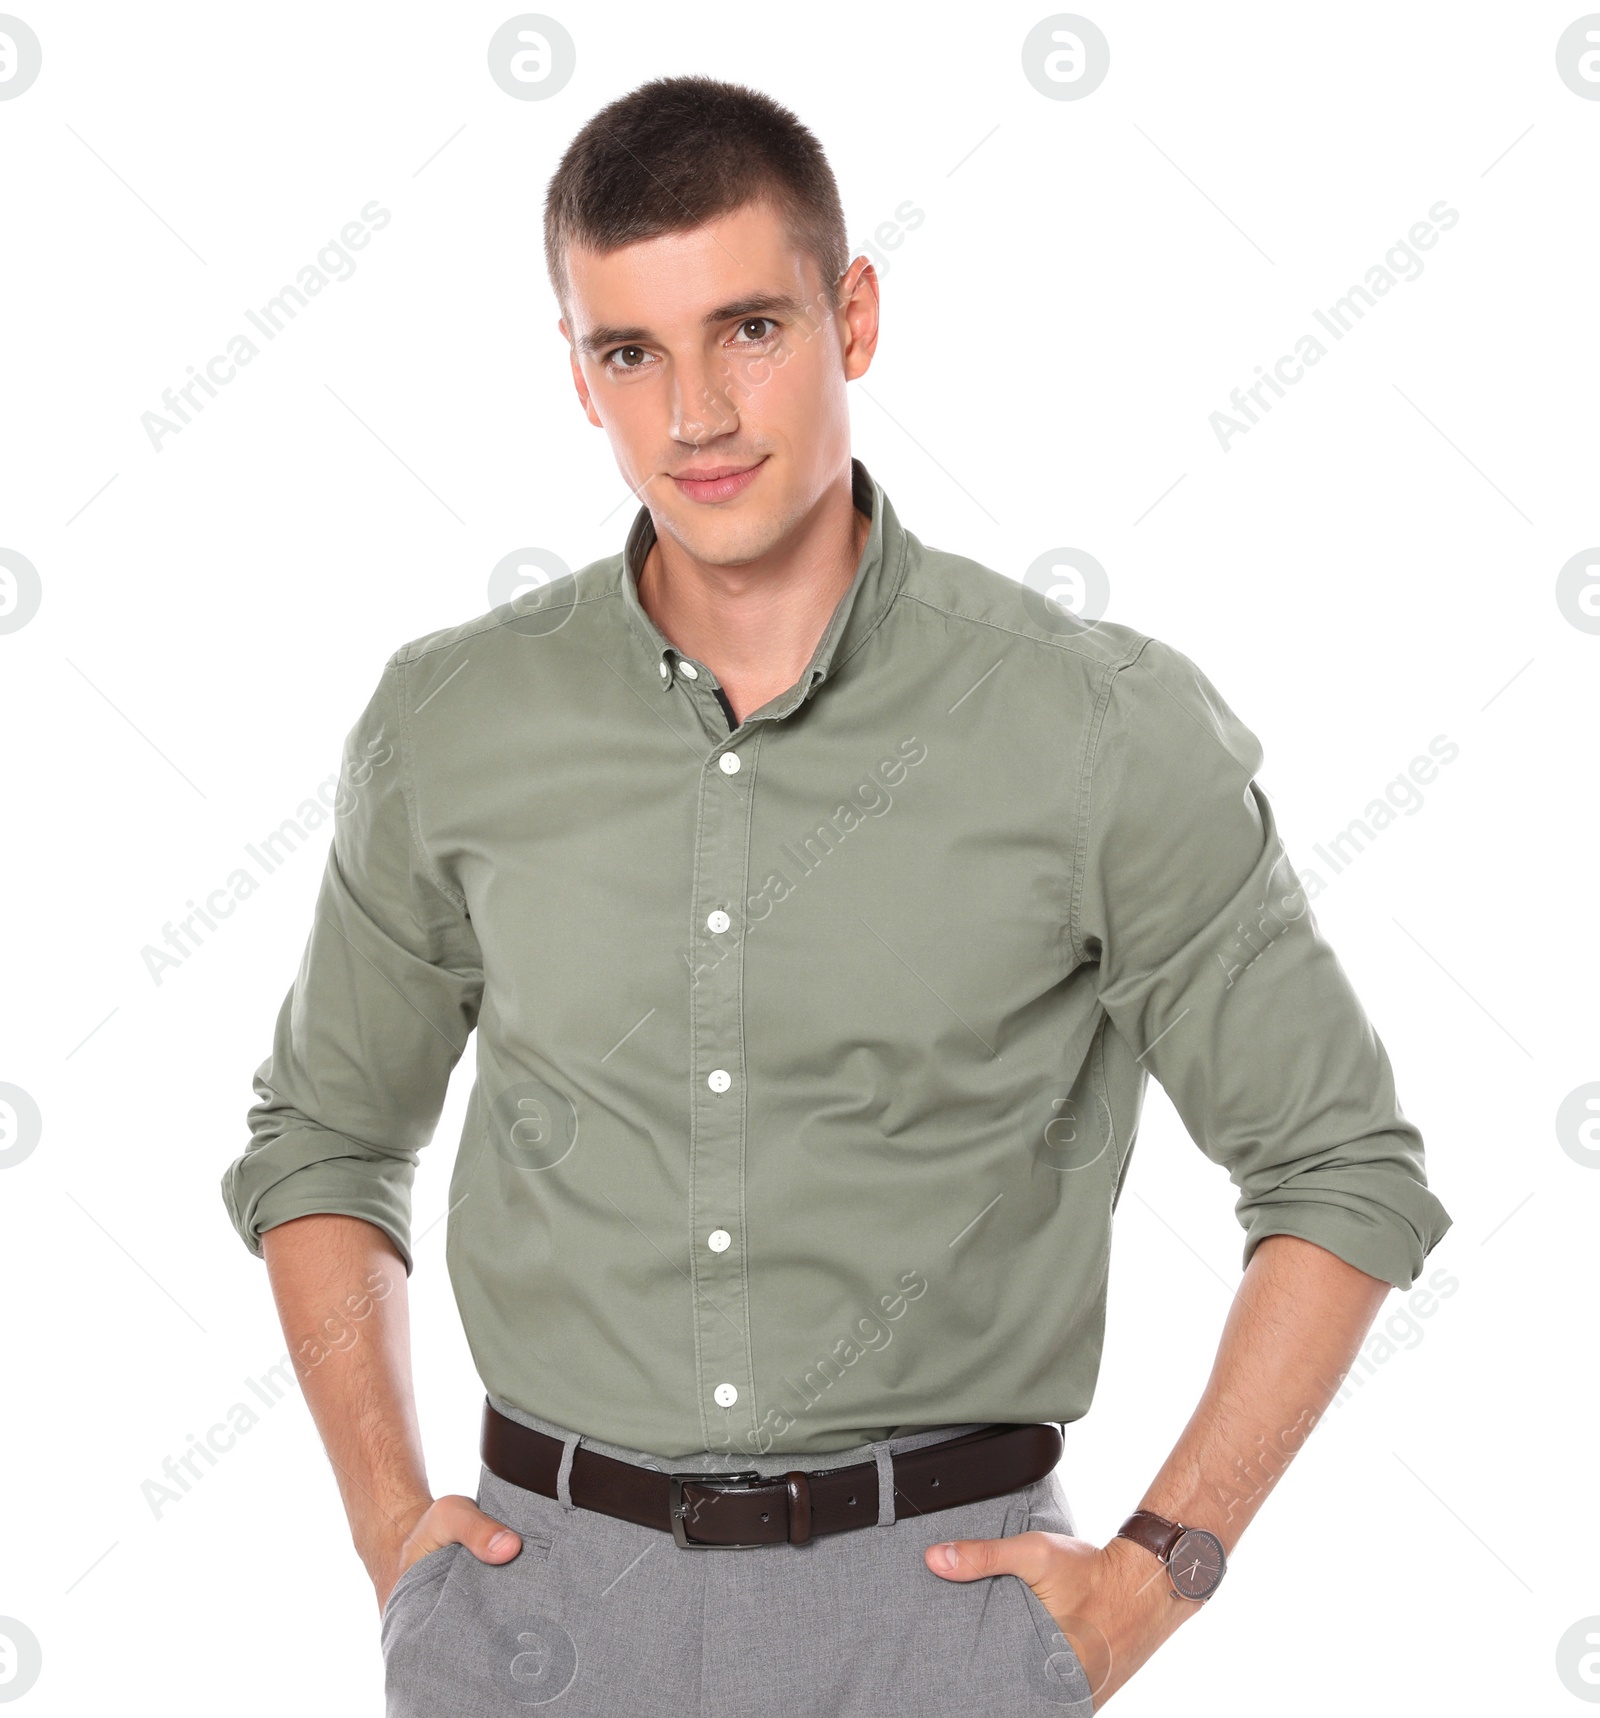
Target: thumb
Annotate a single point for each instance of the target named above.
(1023, 1554)
(458, 1519)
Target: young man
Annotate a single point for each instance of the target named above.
(822, 902)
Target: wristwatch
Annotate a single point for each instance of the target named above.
(1194, 1558)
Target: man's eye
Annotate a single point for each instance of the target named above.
(612, 356)
(754, 322)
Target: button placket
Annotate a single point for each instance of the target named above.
(700, 688)
(725, 1385)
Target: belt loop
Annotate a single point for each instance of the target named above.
(798, 1486)
(569, 1448)
(882, 1455)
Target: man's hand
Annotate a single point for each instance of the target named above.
(1113, 1603)
(452, 1520)
(1292, 1332)
(340, 1286)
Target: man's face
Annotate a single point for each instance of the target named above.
(711, 350)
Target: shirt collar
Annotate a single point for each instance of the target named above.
(875, 585)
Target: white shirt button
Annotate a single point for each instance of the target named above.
(689, 670)
(728, 763)
(725, 1395)
(666, 672)
(718, 921)
(719, 1079)
(719, 1240)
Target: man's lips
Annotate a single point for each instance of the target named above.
(716, 482)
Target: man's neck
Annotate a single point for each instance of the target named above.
(756, 625)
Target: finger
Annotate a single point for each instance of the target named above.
(1023, 1554)
(459, 1520)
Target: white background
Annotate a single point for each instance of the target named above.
(1373, 565)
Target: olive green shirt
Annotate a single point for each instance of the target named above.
(810, 1055)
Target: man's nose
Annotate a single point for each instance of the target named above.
(703, 406)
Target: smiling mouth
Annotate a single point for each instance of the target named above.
(717, 482)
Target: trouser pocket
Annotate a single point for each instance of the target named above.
(464, 1636)
(414, 1595)
(1056, 1671)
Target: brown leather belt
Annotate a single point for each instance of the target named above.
(738, 1511)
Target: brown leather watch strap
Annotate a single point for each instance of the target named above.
(1154, 1532)
(731, 1509)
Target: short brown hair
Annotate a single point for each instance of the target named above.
(681, 150)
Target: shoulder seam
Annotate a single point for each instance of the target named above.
(1049, 643)
(494, 626)
(1156, 680)
(409, 796)
(1092, 754)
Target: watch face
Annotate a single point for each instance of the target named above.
(1196, 1564)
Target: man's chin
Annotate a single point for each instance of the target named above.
(727, 539)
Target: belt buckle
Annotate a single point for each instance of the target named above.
(678, 1508)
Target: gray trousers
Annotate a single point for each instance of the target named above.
(599, 1618)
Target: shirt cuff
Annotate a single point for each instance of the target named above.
(1386, 1240)
(295, 1176)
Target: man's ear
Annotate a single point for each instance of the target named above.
(859, 303)
(582, 386)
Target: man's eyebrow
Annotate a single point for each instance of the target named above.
(607, 335)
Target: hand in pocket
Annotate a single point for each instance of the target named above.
(450, 1520)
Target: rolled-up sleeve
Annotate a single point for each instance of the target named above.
(1212, 967)
(381, 1008)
